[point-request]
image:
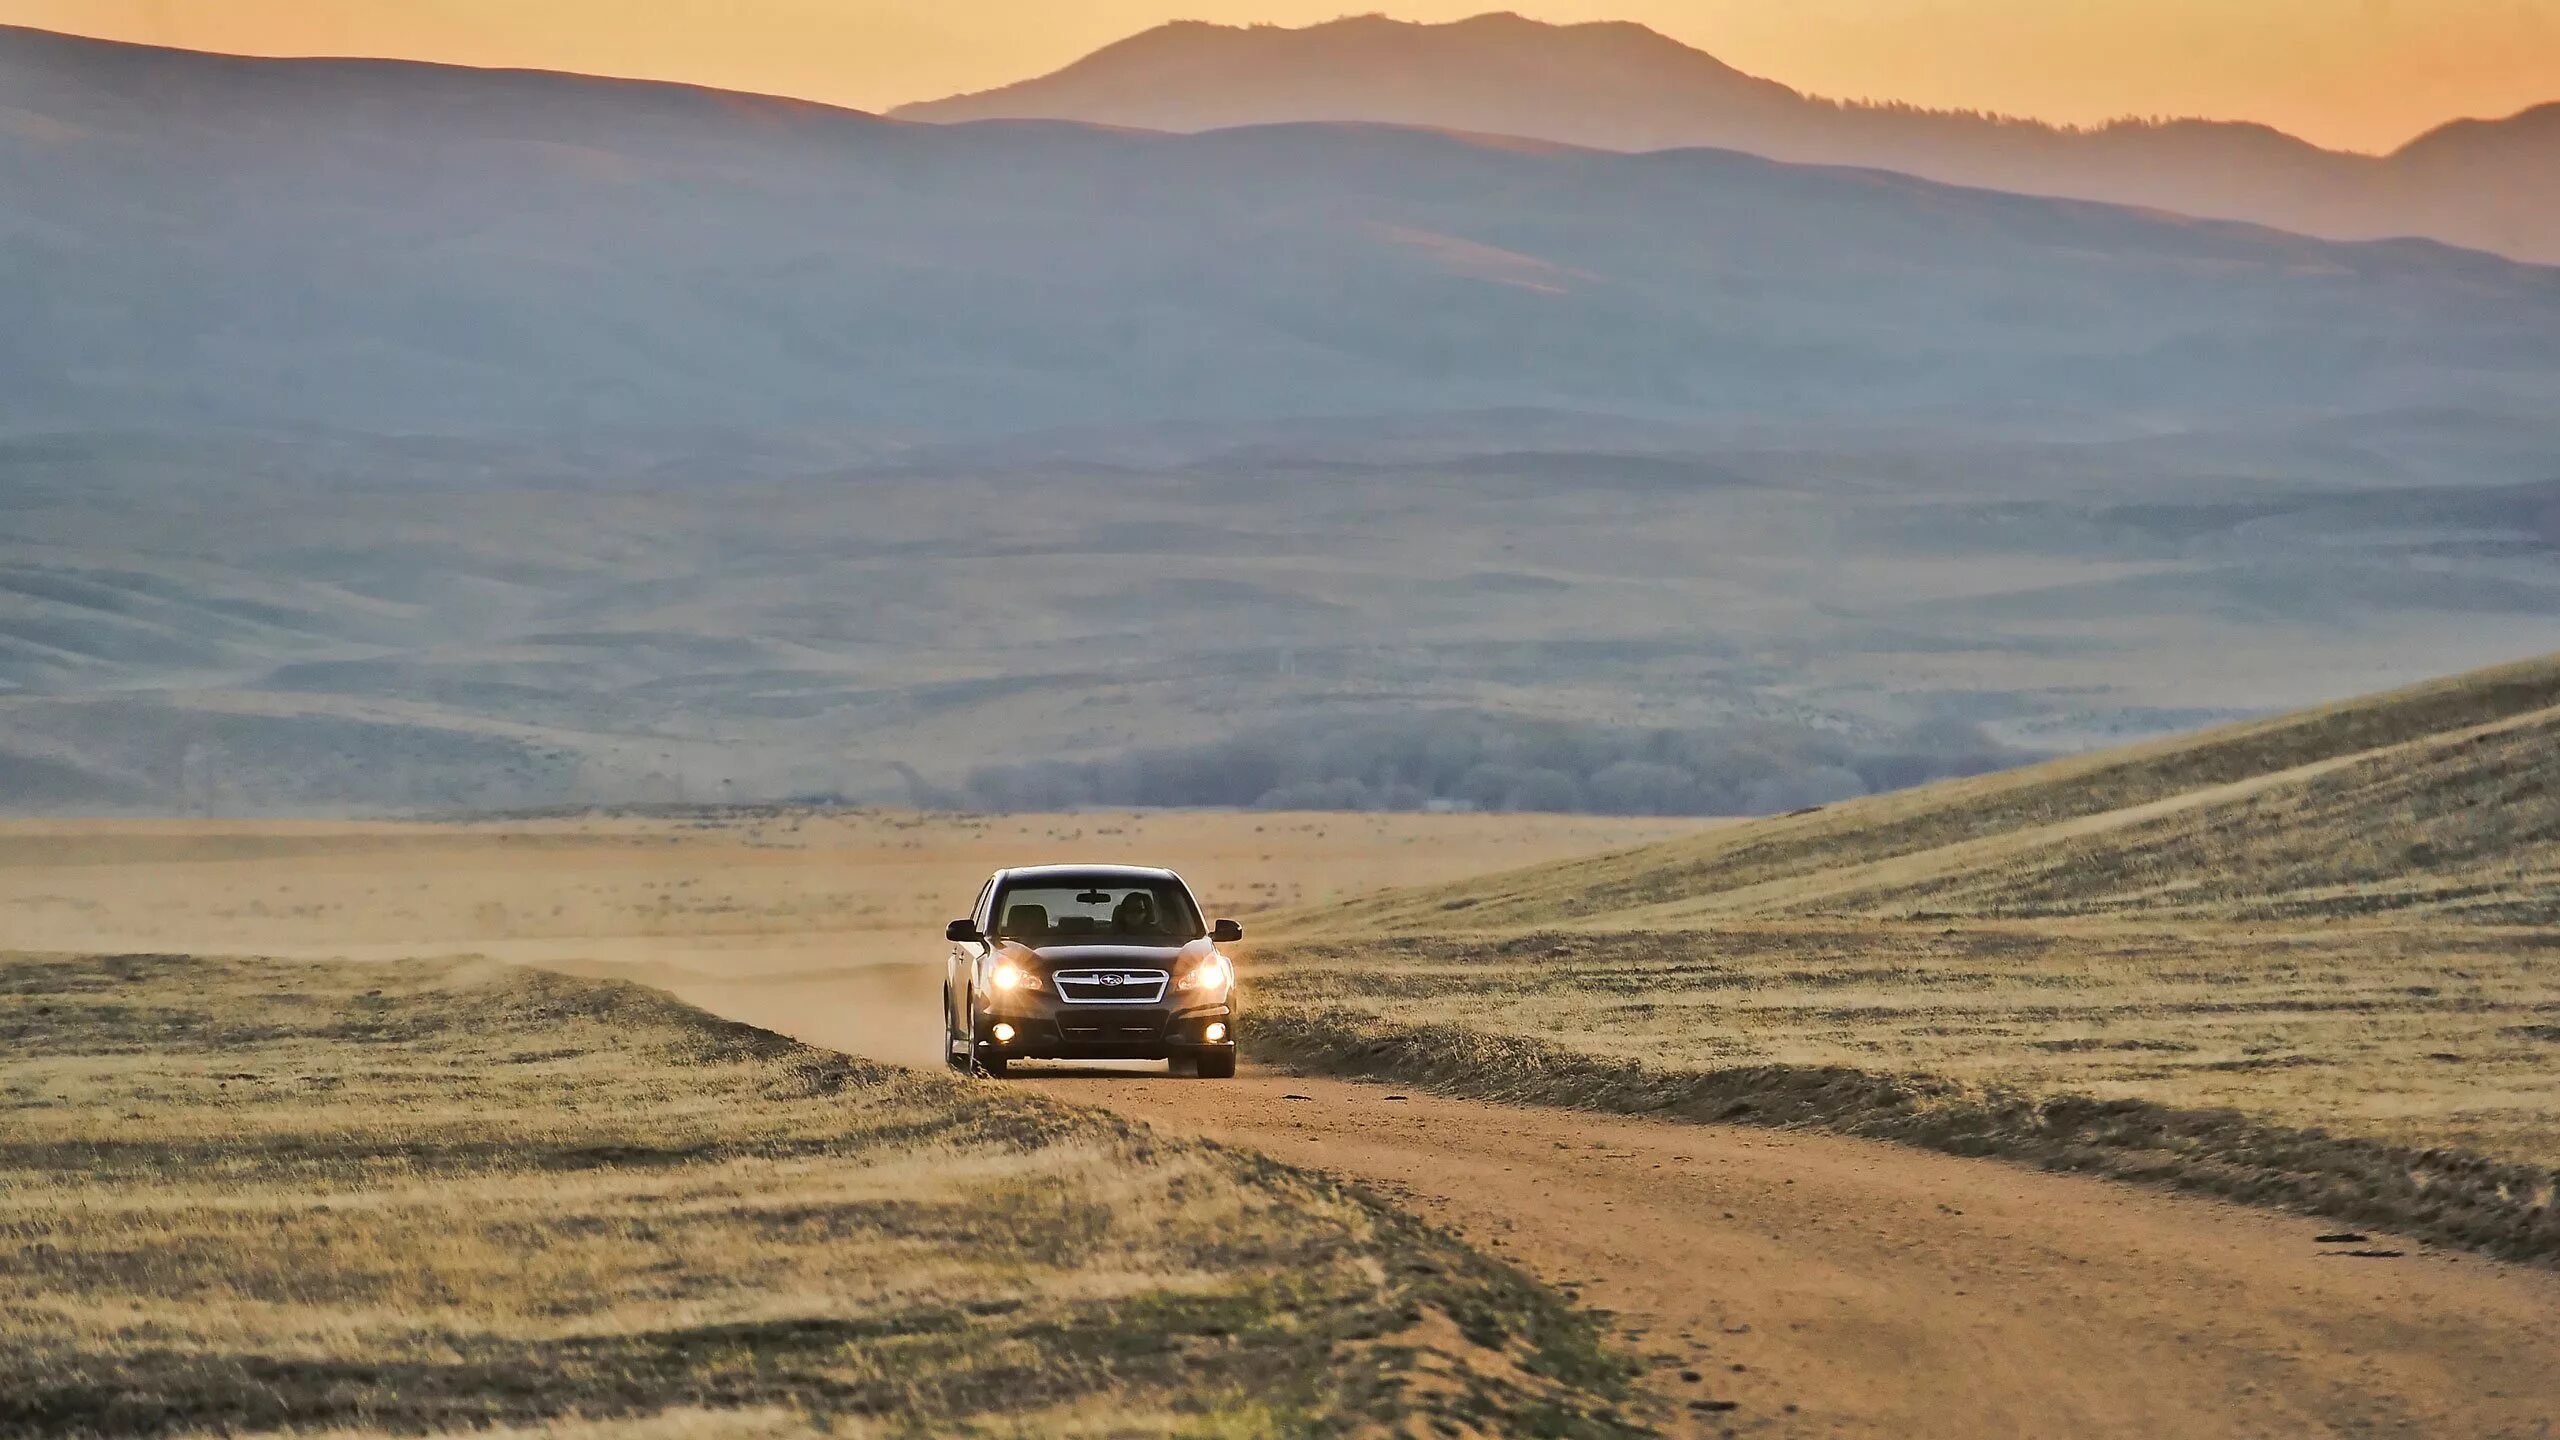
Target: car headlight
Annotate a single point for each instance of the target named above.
(1213, 973)
(1009, 976)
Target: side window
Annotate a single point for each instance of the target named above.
(978, 912)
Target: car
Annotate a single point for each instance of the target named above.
(1089, 962)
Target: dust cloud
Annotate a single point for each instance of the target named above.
(884, 1012)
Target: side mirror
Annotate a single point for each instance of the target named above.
(962, 931)
(1226, 932)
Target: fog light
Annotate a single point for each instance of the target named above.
(1217, 1031)
(1004, 1034)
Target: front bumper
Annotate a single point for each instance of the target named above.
(1045, 1028)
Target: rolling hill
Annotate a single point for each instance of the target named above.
(1622, 86)
(2435, 802)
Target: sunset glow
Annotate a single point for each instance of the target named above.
(2357, 74)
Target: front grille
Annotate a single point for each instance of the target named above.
(1112, 987)
(1111, 1027)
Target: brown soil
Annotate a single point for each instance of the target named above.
(1830, 1286)
(2439, 1193)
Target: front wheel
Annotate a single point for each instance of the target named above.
(970, 1062)
(1218, 1064)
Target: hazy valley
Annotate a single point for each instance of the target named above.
(385, 436)
(1734, 628)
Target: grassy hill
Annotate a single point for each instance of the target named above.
(2437, 800)
(2306, 959)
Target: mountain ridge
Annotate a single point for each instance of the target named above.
(1618, 85)
(379, 245)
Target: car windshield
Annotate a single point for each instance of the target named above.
(1110, 909)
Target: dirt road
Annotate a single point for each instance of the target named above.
(1831, 1287)
(1823, 1286)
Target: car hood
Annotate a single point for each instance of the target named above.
(1112, 957)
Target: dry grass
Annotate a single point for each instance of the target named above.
(730, 893)
(2346, 920)
(2437, 801)
(2417, 1037)
(2450, 1196)
(391, 1199)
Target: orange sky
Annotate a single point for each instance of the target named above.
(2359, 74)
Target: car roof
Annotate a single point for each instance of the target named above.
(1034, 874)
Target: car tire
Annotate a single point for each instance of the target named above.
(1219, 1064)
(970, 1061)
(957, 1052)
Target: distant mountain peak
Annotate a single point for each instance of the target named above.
(1619, 85)
(1202, 75)
(2537, 126)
